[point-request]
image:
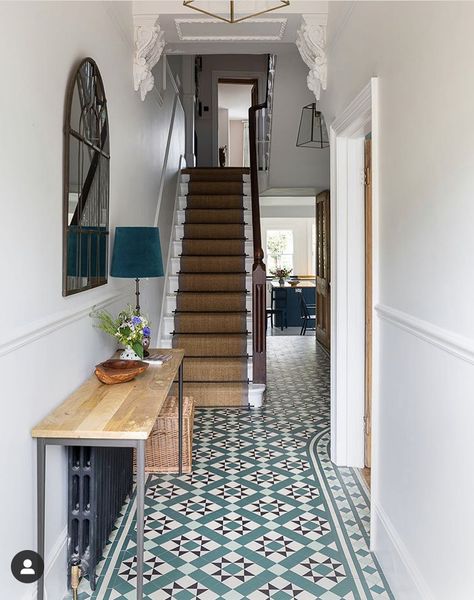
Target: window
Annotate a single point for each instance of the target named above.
(279, 249)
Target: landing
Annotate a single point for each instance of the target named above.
(260, 517)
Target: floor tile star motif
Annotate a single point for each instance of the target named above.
(274, 546)
(309, 525)
(190, 546)
(233, 526)
(233, 569)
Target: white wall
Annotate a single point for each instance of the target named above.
(227, 63)
(48, 345)
(236, 143)
(423, 412)
(292, 167)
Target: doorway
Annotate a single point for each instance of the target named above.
(354, 366)
(366, 471)
(234, 98)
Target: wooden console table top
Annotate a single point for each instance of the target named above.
(125, 411)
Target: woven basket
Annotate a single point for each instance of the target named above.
(161, 448)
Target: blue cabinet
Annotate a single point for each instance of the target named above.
(287, 300)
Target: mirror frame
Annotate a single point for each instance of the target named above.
(69, 131)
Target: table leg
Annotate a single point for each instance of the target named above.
(40, 491)
(180, 419)
(140, 515)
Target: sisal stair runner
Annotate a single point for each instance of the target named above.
(210, 321)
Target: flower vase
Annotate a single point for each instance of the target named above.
(281, 281)
(129, 354)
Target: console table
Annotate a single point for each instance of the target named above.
(120, 415)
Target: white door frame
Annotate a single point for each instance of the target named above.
(347, 135)
(216, 75)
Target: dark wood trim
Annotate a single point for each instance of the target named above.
(259, 340)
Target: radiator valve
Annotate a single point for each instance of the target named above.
(76, 575)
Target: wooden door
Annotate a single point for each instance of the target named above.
(323, 270)
(368, 305)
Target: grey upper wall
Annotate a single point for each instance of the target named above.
(224, 63)
(291, 166)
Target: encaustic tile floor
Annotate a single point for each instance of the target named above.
(265, 514)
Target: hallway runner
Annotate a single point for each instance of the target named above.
(265, 514)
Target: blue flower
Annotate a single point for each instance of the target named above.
(136, 320)
(146, 331)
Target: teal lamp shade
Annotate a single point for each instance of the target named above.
(137, 253)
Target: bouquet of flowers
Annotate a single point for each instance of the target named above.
(128, 328)
(281, 272)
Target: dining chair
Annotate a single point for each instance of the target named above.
(308, 313)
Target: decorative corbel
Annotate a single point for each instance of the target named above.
(149, 45)
(311, 43)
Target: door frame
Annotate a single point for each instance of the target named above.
(216, 76)
(347, 136)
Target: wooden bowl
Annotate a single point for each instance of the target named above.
(119, 371)
(294, 282)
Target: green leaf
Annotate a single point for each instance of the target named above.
(138, 349)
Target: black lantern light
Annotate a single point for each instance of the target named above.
(313, 132)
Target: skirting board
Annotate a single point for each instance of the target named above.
(55, 571)
(404, 578)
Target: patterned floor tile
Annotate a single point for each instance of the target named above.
(265, 514)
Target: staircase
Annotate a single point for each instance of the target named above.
(208, 306)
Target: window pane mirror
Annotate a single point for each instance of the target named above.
(86, 181)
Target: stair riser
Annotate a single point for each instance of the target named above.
(179, 232)
(171, 304)
(181, 217)
(176, 265)
(186, 178)
(184, 189)
(169, 325)
(173, 284)
(178, 248)
(166, 341)
(205, 372)
(183, 202)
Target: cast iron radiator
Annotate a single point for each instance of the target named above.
(99, 480)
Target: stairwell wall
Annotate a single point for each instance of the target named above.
(48, 346)
(423, 449)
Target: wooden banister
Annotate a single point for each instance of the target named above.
(259, 351)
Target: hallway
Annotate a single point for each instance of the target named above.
(256, 519)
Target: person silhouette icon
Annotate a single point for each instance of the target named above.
(27, 568)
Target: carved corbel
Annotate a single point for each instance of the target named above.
(149, 45)
(311, 43)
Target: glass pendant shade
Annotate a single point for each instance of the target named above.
(235, 11)
(313, 132)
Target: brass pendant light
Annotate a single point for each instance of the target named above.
(230, 14)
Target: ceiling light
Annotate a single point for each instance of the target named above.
(313, 132)
(235, 11)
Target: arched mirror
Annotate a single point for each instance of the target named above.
(86, 181)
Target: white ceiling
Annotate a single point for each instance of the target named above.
(189, 32)
(236, 98)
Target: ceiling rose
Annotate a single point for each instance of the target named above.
(235, 11)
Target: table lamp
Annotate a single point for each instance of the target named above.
(137, 255)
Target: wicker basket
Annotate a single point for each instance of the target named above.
(161, 448)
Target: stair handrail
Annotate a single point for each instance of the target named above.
(259, 276)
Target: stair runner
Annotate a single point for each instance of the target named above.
(210, 321)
